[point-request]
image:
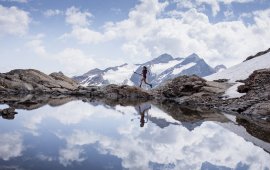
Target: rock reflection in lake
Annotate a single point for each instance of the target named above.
(99, 135)
(8, 113)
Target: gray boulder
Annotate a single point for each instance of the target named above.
(34, 81)
(180, 86)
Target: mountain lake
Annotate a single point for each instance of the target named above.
(91, 135)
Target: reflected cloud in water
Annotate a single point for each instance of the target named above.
(11, 145)
(133, 137)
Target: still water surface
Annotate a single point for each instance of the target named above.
(80, 135)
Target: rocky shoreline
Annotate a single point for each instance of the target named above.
(30, 89)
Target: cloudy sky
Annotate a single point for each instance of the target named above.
(75, 36)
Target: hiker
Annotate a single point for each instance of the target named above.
(143, 74)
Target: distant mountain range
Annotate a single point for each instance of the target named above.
(161, 69)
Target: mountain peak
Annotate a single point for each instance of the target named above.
(164, 58)
(165, 55)
(93, 71)
(194, 56)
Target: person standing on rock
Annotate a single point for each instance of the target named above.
(143, 74)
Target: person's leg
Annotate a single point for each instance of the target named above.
(147, 83)
(141, 82)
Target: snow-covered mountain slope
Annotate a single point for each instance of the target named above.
(193, 64)
(161, 69)
(112, 75)
(173, 67)
(243, 70)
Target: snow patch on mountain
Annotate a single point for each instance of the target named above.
(232, 92)
(120, 76)
(85, 81)
(243, 70)
(184, 67)
(159, 68)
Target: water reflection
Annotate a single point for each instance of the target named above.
(8, 113)
(142, 110)
(83, 135)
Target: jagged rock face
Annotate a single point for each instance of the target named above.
(181, 86)
(258, 80)
(26, 81)
(257, 86)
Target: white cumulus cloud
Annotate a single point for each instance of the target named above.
(146, 34)
(11, 145)
(53, 12)
(13, 21)
(74, 60)
(36, 45)
(77, 18)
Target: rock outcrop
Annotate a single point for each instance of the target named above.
(256, 101)
(34, 81)
(180, 86)
(192, 91)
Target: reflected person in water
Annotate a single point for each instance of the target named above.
(143, 109)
